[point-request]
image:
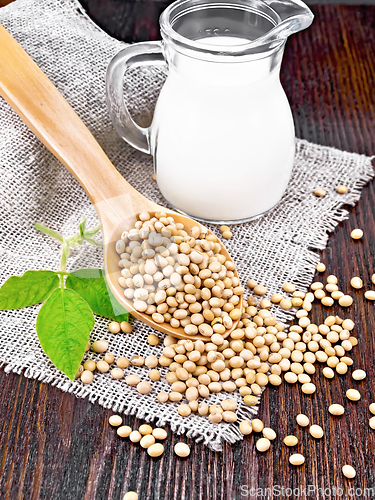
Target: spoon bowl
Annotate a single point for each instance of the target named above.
(50, 117)
(113, 272)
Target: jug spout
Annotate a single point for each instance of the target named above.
(294, 16)
(232, 28)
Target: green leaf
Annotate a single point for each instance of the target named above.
(93, 232)
(89, 273)
(92, 286)
(93, 242)
(82, 226)
(30, 288)
(50, 232)
(63, 326)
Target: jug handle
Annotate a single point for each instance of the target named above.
(132, 56)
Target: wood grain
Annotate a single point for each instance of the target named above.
(53, 445)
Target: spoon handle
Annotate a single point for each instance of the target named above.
(50, 117)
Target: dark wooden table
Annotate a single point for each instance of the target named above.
(54, 446)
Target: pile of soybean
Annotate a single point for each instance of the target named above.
(178, 278)
(184, 280)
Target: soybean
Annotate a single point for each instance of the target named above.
(124, 431)
(122, 362)
(353, 394)
(102, 366)
(356, 282)
(336, 409)
(117, 373)
(89, 365)
(135, 436)
(132, 379)
(319, 193)
(246, 427)
(114, 327)
(182, 450)
(297, 459)
(159, 433)
(154, 375)
(269, 433)
(153, 339)
(155, 450)
(250, 400)
(130, 495)
(341, 189)
(308, 388)
(302, 420)
(147, 441)
(316, 431)
(349, 471)
(87, 377)
(145, 429)
(291, 440)
(359, 374)
(126, 327)
(115, 420)
(356, 234)
(320, 267)
(263, 444)
(257, 425)
(345, 301)
(100, 346)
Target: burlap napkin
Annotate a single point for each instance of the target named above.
(35, 187)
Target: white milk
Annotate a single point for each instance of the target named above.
(222, 137)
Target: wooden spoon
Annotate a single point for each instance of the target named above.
(49, 116)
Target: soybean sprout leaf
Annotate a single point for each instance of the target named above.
(75, 241)
(93, 242)
(50, 232)
(30, 288)
(92, 286)
(88, 273)
(93, 232)
(63, 326)
(82, 227)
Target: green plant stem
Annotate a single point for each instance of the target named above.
(54, 234)
(61, 277)
(68, 243)
(64, 256)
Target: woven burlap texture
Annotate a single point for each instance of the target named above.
(35, 187)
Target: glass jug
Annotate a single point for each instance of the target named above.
(222, 135)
